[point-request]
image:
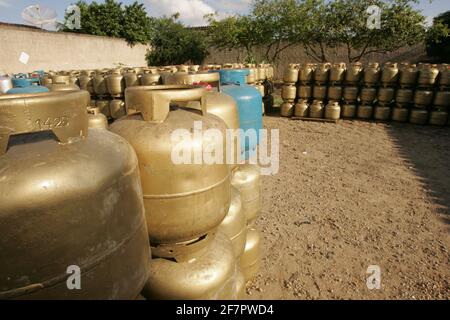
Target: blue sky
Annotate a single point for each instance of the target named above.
(192, 11)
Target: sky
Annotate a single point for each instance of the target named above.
(191, 11)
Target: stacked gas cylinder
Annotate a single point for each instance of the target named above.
(407, 93)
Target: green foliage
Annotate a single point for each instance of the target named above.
(112, 19)
(438, 37)
(173, 44)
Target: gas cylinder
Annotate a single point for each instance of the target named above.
(117, 108)
(353, 73)
(404, 96)
(321, 73)
(389, 74)
(368, 94)
(365, 112)
(100, 87)
(251, 77)
(400, 114)
(444, 76)
(46, 80)
(442, 99)
(86, 82)
(423, 97)
(438, 118)
(301, 108)
(240, 286)
(316, 109)
(247, 180)
(382, 113)
(5, 84)
(80, 208)
(96, 119)
(63, 87)
(115, 84)
(337, 72)
(261, 73)
(234, 226)
(418, 116)
(305, 73)
(290, 75)
(103, 106)
(183, 68)
(288, 93)
(320, 92)
(304, 92)
(251, 259)
(131, 79)
(335, 93)
(350, 94)
(427, 76)
(208, 274)
(183, 201)
(348, 111)
(408, 76)
(150, 79)
(386, 95)
(249, 102)
(27, 89)
(333, 110)
(371, 74)
(287, 109)
(61, 78)
(194, 68)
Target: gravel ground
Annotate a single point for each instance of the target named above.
(351, 195)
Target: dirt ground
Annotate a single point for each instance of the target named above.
(351, 195)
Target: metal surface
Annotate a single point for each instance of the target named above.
(389, 74)
(332, 111)
(442, 99)
(103, 105)
(115, 84)
(305, 73)
(404, 96)
(348, 111)
(372, 74)
(100, 87)
(423, 97)
(251, 259)
(320, 92)
(73, 204)
(408, 75)
(386, 95)
(427, 76)
(353, 73)
(117, 109)
(290, 75)
(382, 113)
(288, 93)
(365, 112)
(321, 73)
(316, 109)
(62, 87)
(287, 109)
(96, 119)
(438, 118)
(182, 201)
(418, 116)
(337, 72)
(400, 114)
(304, 91)
(335, 92)
(210, 275)
(350, 94)
(301, 108)
(368, 95)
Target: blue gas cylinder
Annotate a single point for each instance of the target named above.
(248, 100)
(29, 89)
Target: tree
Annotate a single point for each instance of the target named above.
(112, 19)
(438, 37)
(173, 43)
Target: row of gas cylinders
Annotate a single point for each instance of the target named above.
(373, 74)
(106, 201)
(368, 95)
(334, 111)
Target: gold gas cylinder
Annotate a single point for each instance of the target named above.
(64, 204)
(427, 76)
(365, 112)
(337, 72)
(320, 92)
(335, 93)
(150, 79)
(183, 68)
(251, 77)
(386, 95)
(304, 92)
(240, 286)
(61, 78)
(368, 94)
(207, 274)
(382, 113)
(234, 226)
(184, 198)
(350, 94)
(47, 80)
(270, 72)
(115, 84)
(103, 105)
(305, 73)
(400, 114)
(418, 116)
(288, 93)
(247, 180)
(117, 108)
(86, 82)
(438, 118)
(333, 110)
(63, 87)
(404, 96)
(353, 73)
(301, 108)
(389, 74)
(96, 119)
(290, 75)
(371, 74)
(251, 259)
(444, 76)
(287, 109)
(100, 87)
(423, 97)
(408, 76)
(442, 99)
(321, 73)
(131, 79)
(194, 68)
(316, 109)
(261, 73)
(348, 111)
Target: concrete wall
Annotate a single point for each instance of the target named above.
(63, 51)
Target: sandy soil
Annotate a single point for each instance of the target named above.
(351, 195)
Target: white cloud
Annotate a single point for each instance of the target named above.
(5, 3)
(191, 11)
